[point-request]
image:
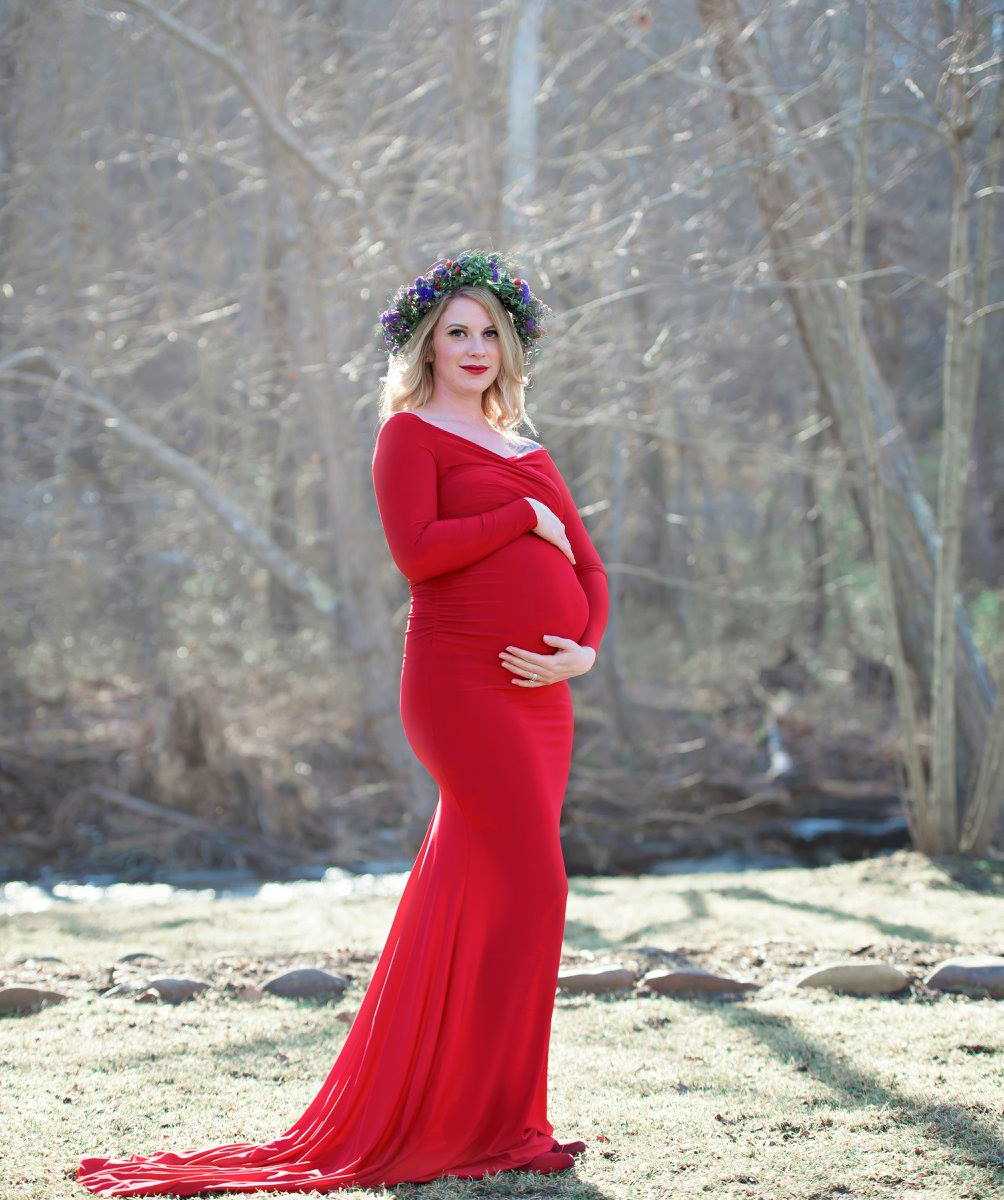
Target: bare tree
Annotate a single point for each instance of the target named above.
(205, 207)
(798, 212)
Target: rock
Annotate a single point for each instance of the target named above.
(972, 976)
(171, 990)
(307, 983)
(27, 999)
(138, 955)
(30, 958)
(693, 981)
(596, 980)
(855, 978)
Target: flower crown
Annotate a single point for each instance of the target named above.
(471, 269)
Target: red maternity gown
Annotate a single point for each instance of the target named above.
(444, 1069)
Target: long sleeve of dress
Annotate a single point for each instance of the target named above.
(588, 565)
(421, 544)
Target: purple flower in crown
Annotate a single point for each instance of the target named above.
(523, 288)
(425, 290)
(532, 328)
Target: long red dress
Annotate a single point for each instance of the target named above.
(444, 1069)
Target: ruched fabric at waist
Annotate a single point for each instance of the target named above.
(509, 598)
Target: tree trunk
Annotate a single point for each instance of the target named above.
(799, 217)
(519, 186)
(257, 23)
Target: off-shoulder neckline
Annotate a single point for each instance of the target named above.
(471, 442)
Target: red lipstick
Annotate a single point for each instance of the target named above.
(476, 370)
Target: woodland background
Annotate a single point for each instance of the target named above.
(770, 235)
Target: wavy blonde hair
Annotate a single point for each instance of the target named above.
(408, 382)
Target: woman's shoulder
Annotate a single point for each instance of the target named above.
(400, 425)
(403, 418)
(402, 436)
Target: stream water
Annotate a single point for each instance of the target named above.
(373, 878)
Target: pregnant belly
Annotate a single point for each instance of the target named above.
(512, 597)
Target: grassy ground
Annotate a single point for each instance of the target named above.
(781, 1094)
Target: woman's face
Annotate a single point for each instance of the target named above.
(465, 336)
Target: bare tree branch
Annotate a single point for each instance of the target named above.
(38, 367)
(278, 126)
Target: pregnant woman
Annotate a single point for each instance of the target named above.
(444, 1070)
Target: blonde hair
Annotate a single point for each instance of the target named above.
(408, 382)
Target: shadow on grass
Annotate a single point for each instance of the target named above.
(321, 1042)
(586, 936)
(529, 1184)
(74, 925)
(974, 1140)
(892, 928)
(585, 885)
(984, 876)
(583, 935)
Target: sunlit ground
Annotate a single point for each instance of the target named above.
(782, 1095)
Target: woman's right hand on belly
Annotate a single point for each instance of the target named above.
(550, 528)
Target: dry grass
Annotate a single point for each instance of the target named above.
(781, 1094)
